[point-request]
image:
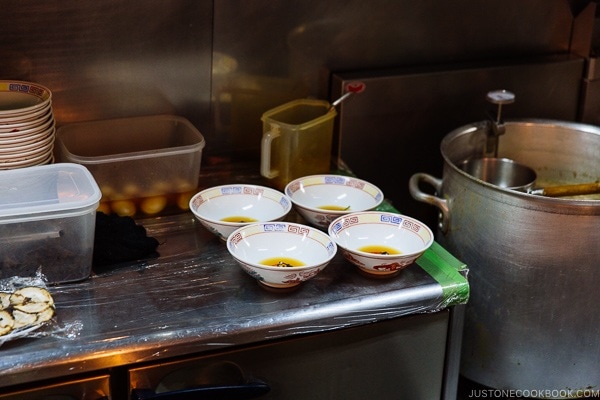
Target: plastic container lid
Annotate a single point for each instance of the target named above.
(44, 191)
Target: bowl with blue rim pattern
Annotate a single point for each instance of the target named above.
(380, 243)
(281, 254)
(223, 209)
(320, 199)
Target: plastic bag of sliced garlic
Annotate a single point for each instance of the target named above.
(25, 306)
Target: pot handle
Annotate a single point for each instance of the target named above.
(441, 204)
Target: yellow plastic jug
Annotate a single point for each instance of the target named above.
(296, 140)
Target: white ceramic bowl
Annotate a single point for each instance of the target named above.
(22, 99)
(23, 139)
(26, 149)
(322, 198)
(223, 209)
(28, 161)
(380, 243)
(259, 247)
(27, 127)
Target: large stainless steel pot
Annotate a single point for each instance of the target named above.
(533, 318)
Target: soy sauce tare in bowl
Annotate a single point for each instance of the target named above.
(281, 254)
(223, 209)
(322, 198)
(380, 243)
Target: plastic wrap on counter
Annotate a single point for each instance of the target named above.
(194, 297)
(27, 310)
(195, 279)
(195, 290)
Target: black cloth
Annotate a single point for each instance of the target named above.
(119, 239)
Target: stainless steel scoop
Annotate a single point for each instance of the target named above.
(501, 172)
(509, 174)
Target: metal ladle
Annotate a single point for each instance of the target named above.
(509, 174)
(567, 190)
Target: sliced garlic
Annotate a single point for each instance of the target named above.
(7, 323)
(23, 319)
(31, 299)
(25, 307)
(4, 300)
(45, 315)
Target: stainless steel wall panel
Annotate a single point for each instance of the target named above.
(223, 63)
(277, 50)
(112, 58)
(394, 128)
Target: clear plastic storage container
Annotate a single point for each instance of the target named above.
(144, 166)
(47, 221)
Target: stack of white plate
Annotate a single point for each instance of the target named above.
(27, 126)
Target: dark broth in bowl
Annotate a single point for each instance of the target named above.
(238, 218)
(379, 249)
(282, 262)
(334, 208)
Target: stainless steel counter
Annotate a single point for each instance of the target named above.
(194, 298)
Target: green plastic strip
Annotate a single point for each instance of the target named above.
(446, 269)
(455, 287)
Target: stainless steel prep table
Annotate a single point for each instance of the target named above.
(194, 299)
